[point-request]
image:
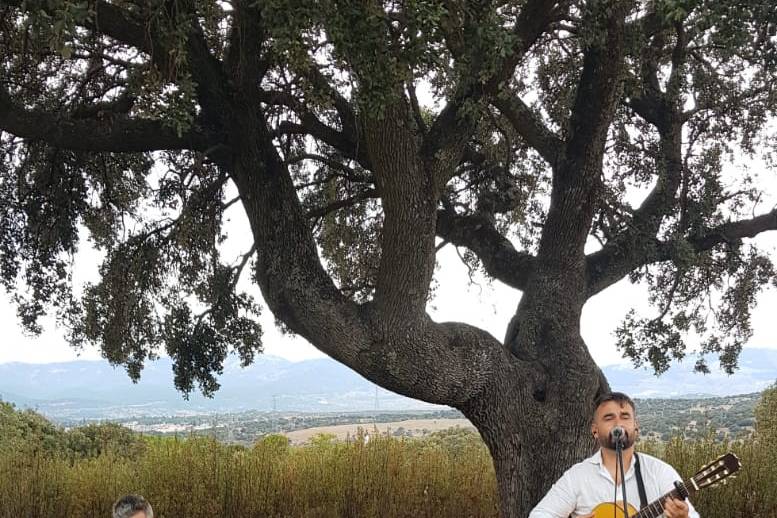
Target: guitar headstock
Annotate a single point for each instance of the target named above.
(716, 472)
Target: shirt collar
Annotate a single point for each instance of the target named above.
(596, 458)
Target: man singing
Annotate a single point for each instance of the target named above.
(593, 481)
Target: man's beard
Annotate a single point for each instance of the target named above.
(605, 441)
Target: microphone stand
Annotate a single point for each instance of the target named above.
(619, 459)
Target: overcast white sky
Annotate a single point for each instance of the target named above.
(485, 305)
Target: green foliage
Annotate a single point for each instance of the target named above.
(277, 444)
(449, 473)
(56, 26)
(27, 432)
(749, 494)
(337, 65)
(723, 418)
(682, 291)
(697, 54)
(349, 245)
(94, 440)
(159, 233)
(200, 477)
(766, 416)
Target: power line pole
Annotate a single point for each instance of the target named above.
(377, 406)
(274, 413)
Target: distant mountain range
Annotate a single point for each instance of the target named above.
(95, 390)
(757, 371)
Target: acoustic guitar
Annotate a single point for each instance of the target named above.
(714, 473)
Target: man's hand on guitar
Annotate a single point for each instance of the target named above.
(674, 508)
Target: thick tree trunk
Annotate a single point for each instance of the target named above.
(535, 414)
(535, 430)
(549, 452)
(525, 469)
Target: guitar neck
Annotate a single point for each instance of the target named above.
(710, 475)
(655, 509)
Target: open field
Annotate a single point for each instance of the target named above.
(406, 428)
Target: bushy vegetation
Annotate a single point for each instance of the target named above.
(30, 433)
(200, 477)
(46, 471)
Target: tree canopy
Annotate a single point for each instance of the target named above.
(107, 122)
(564, 145)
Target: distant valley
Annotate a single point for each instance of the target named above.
(719, 417)
(89, 390)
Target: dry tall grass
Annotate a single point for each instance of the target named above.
(199, 477)
(46, 473)
(449, 475)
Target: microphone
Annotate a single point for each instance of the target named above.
(618, 436)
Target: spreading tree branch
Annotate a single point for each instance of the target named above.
(577, 175)
(451, 128)
(341, 204)
(530, 127)
(118, 133)
(311, 125)
(623, 252)
(500, 258)
(602, 274)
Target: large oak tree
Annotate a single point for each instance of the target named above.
(360, 137)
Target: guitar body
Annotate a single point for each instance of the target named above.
(710, 475)
(610, 510)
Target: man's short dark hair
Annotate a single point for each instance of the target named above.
(129, 505)
(618, 397)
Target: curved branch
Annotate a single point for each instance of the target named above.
(115, 22)
(311, 125)
(238, 269)
(577, 175)
(602, 275)
(500, 258)
(451, 129)
(348, 173)
(530, 127)
(123, 26)
(733, 231)
(301, 293)
(118, 134)
(346, 140)
(620, 254)
(341, 204)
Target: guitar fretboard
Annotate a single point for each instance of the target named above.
(655, 509)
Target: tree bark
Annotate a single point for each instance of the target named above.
(535, 412)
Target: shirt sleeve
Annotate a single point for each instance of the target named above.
(559, 502)
(667, 479)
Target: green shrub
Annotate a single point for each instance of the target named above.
(80, 472)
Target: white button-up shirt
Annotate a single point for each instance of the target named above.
(588, 484)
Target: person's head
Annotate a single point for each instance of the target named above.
(614, 409)
(132, 506)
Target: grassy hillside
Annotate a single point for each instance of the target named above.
(729, 416)
(45, 471)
